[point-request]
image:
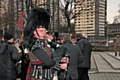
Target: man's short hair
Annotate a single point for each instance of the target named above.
(66, 36)
(84, 35)
(79, 35)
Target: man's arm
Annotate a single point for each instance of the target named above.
(14, 54)
(81, 46)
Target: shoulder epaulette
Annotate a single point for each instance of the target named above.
(38, 44)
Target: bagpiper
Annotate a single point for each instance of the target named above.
(41, 64)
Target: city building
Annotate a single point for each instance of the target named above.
(92, 19)
(113, 29)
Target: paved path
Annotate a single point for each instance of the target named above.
(104, 62)
(104, 66)
(104, 76)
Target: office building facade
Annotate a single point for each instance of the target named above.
(92, 19)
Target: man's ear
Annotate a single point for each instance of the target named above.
(34, 32)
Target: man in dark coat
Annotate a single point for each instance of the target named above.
(85, 47)
(75, 58)
(8, 58)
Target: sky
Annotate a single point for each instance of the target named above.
(112, 9)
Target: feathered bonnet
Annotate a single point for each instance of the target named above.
(38, 17)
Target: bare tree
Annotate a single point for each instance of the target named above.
(3, 14)
(119, 8)
(29, 4)
(11, 9)
(68, 8)
(117, 17)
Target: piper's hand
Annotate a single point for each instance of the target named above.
(65, 59)
(17, 46)
(63, 66)
(49, 38)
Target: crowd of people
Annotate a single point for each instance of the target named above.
(43, 57)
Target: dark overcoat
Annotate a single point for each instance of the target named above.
(75, 58)
(8, 58)
(86, 48)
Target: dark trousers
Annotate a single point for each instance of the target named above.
(61, 75)
(24, 70)
(117, 49)
(83, 74)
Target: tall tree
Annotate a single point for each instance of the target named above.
(0, 13)
(4, 14)
(11, 16)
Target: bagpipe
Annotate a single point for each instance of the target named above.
(59, 51)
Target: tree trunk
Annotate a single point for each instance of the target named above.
(69, 25)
